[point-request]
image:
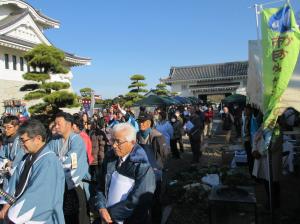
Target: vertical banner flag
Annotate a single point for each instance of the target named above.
(281, 45)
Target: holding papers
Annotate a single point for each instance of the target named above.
(188, 126)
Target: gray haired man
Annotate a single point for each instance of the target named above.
(127, 181)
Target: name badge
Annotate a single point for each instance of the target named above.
(73, 160)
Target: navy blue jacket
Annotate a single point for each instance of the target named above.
(133, 209)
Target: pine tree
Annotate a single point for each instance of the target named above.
(161, 90)
(136, 88)
(47, 60)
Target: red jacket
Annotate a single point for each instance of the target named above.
(88, 145)
(208, 116)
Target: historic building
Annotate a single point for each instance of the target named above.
(21, 29)
(204, 81)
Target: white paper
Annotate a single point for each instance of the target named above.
(188, 126)
(211, 179)
(119, 188)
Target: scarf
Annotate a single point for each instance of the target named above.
(145, 133)
(30, 159)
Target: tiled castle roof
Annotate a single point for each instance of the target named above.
(230, 70)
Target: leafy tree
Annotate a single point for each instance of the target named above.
(30, 87)
(174, 93)
(35, 95)
(56, 85)
(119, 100)
(161, 90)
(40, 107)
(135, 89)
(136, 84)
(61, 99)
(86, 92)
(107, 103)
(48, 60)
(38, 77)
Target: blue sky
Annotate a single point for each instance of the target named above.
(126, 37)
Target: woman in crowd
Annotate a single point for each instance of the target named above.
(86, 122)
(176, 136)
(164, 127)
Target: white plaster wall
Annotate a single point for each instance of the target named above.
(26, 29)
(12, 80)
(25, 33)
(176, 87)
(62, 77)
(17, 75)
(10, 74)
(5, 10)
(10, 90)
(241, 90)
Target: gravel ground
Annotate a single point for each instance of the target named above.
(192, 207)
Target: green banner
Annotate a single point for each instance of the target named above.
(281, 45)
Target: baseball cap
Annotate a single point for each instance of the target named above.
(144, 117)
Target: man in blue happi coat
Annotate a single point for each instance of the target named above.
(12, 152)
(126, 182)
(38, 182)
(70, 149)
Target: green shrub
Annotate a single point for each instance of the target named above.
(56, 85)
(35, 95)
(38, 77)
(38, 108)
(61, 99)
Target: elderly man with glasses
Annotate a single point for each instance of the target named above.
(127, 181)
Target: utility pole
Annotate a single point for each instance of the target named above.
(92, 103)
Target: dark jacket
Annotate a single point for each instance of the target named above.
(135, 207)
(196, 131)
(177, 127)
(159, 147)
(228, 121)
(247, 128)
(99, 142)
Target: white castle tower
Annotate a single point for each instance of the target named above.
(21, 29)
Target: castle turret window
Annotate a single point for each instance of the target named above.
(14, 58)
(21, 64)
(6, 61)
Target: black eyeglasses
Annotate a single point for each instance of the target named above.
(22, 141)
(117, 142)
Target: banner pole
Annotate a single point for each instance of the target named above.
(270, 177)
(269, 156)
(257, 21)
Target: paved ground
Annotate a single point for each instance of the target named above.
(197, 212)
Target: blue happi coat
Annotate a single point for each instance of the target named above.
(76, 151)
(13, 152)
(41, 200)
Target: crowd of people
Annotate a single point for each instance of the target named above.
(108, 167)
(111, 166)
(247, 121)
